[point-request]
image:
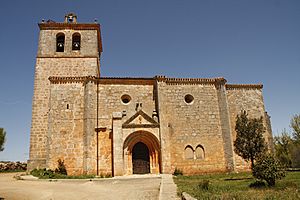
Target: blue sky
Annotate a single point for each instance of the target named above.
(245, 41)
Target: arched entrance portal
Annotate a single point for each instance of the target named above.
(140, 159)
(141, 153)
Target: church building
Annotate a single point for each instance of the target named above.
(121, 126)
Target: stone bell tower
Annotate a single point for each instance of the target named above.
(65, 49)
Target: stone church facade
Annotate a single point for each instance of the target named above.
(122, 126)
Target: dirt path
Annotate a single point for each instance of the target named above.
(108, 189)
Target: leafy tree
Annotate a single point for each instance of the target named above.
(295, 149)
(2, 138)
(249, 143)
(295, 124)
(267, 168)
(287, 145)
(283, 144)
(295, 154)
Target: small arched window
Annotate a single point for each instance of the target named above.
(76, 41)
(199, 152)
(189, 152)
(60, 42)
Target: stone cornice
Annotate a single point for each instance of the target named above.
(126, 81)
(74, 26)
(103, 80)
(243, 86)
(67, 56)
(60, 80)
(140, 126)
(190, 81)
(151, 81)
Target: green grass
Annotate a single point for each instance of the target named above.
(11, 171)
(236, 186)
(61, 176)
(50, 174)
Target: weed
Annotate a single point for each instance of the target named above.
(204, 185)
(177, 172)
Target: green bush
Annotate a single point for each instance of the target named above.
(61, 168)
(50, 174)
(258, 184)
(43, 173)
(268, 169)
(59, 172)
(204, 185)
(177, 172)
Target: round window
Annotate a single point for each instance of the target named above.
(188, 99)
(126, 99)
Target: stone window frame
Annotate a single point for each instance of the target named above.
(194, 155)
(126, 99)
(200, 147)
(60, 38)
(189, 99)
(76, 39)
(186, 152)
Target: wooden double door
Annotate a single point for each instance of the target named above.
(140, 159)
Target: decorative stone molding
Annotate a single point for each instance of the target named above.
(243, 86)
(126, 81)
(129, 124)
(102, 80)
(151, 81)
(62, 80)
(67, 56)
(190, 81)
(193, 81)
(160, 78)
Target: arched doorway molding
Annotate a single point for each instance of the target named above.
(150, 141)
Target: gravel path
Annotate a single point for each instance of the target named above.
(114, 188)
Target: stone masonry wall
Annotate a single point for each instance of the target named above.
(73, 118)
(88, 47)
(66, 127)
(206, 123)
(52, 63)
(251, 100)
(197, 123)
(110, 102)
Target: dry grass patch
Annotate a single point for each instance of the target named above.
(236, 186)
